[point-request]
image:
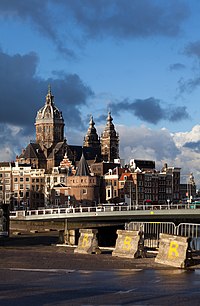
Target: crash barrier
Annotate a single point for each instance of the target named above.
(67, 237)
(129, 244)
(151, 231)
(4, 220)
(173, 251)
(87, 242)
(191, 230)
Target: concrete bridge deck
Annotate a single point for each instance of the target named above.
(155, 212)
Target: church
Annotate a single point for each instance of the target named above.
(50, 146)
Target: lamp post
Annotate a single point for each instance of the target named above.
(130, 197)
(189, 183)
(48, 196)
(168, 201)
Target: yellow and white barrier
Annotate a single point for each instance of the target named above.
(173, 250)
(88, 243)
(128, 244)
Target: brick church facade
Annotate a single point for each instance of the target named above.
(68, 170)
(51, 146)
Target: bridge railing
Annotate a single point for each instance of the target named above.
(97, 209)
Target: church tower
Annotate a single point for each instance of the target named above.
(91, 139)
(109, 141)
(49, 124)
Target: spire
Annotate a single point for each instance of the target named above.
(91, 139)
(49, 89)
(109, 128)
(83, 168)
(91, 122)
(49, 96)
(109, 141)
(109, 125)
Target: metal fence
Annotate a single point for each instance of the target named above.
(192, 231)
(151, 232)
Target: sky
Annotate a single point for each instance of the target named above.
(139, 59)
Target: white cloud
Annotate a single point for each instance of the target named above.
(145, 143)
(12, 141)
(192, 136)
(161, 146)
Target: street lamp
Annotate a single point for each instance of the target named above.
(130, 197)
(168, 201)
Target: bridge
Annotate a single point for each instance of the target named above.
(111, 214)
(70, 220)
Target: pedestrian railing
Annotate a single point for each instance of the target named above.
(98, 209)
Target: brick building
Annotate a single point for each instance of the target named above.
(51, 172)
(50, 145)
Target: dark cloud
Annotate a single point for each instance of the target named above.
(150, 110)
(39, 14)
(177, 113)
(177, 66)
(22, 94)
(127, 19)
(193, 49)
(101, 119)
(188, 85)
(193, 145)
(118, 19)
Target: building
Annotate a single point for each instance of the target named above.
(50, 146)
(84, 187)
(51, 172)
(112, 185)
(109, 142)
(172, 175)
(6, 183)
(188, 190)
(50, 149)
(142, 164)
(149, 186)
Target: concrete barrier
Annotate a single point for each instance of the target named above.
(67, 237)
(129, 244)
(173, 251)
(152, 231)
(4, 220)
(88, 243)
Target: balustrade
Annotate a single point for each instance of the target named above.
(99, 209)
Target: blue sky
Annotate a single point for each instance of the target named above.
(139, 59)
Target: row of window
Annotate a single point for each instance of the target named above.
(6, 174)
(83, 181)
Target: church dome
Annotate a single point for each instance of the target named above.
(49, 112)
